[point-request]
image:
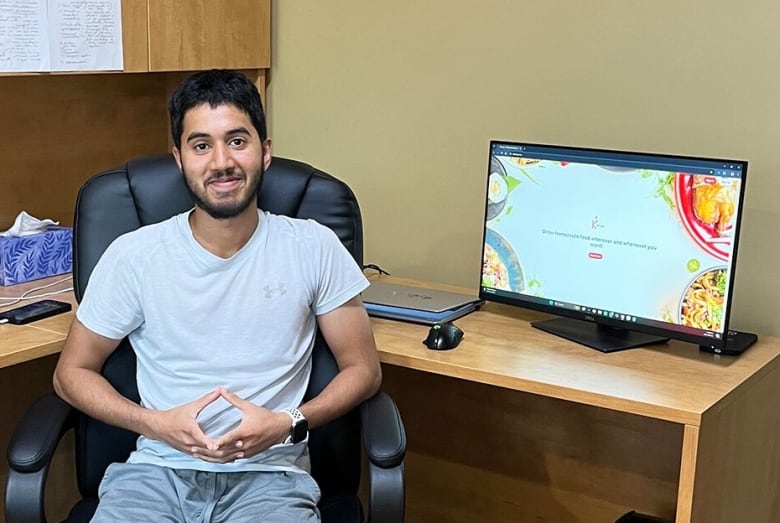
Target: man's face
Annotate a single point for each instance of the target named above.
(222, 159)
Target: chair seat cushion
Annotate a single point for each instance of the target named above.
(83, 511)
(341, 509)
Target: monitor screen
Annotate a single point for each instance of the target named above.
(626, 248)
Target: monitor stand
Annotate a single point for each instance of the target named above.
(736, 343)
(596, 336)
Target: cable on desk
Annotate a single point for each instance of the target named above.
(376, 268)
(28, 296)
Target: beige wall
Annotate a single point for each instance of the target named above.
(400, 98)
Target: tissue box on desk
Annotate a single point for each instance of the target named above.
(25, 258)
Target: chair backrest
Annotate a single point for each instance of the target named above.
(151, 189)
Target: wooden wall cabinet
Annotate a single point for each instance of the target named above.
(135, 36)
(187, 35)
(203, 34)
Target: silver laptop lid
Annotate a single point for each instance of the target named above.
(418, 298)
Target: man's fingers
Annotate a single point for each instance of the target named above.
(200, 439)
(231, 398)
(217, 456)
(207, 399)
(232, 440)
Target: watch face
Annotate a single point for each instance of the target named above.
(299, 431)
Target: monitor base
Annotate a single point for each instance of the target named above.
(596, 336)
(736, 343)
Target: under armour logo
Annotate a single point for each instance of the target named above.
(278, 291)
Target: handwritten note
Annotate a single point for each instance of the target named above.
(24, 45)
(60, 35)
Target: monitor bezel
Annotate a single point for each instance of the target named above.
(666, 331)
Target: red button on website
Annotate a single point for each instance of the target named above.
(595, 255)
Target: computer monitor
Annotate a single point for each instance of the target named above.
(624, 248)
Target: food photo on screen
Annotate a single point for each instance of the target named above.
(501, 184)
(702, 304)
(500, 265)
(706, 207)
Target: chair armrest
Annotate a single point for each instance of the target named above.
(30, 452)
(38, 433)
(384, 437)
(384, 440)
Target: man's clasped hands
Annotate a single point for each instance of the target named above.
(258, 430)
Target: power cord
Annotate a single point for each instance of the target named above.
(374, 267)
(28, 296)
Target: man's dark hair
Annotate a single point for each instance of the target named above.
(216, 87)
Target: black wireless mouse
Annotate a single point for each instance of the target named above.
(443, 336)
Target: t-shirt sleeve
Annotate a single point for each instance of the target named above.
(111, 303)
(338, 275)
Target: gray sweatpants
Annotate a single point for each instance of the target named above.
(149, 493)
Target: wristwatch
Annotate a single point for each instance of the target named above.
(300, 426)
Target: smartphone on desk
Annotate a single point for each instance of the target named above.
(35, 311)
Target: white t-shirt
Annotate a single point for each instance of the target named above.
(197, 322)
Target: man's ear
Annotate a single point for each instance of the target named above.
(267, 155)
(177, 156)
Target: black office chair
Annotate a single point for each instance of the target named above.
(149, 190)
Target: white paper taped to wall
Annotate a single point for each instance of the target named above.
(60, 35)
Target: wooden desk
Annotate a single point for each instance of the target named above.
(518, 425)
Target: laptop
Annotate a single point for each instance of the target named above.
(409, 303)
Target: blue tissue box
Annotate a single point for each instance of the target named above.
(40, 255)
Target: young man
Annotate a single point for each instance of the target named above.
(221, 305)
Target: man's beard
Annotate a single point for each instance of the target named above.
(228, 209)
